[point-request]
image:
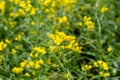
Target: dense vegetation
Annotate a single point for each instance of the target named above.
(59, 40)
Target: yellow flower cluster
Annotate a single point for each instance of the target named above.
(2, 7)
(107, 74)
(90, 24)
(86, 67)
(19, 36)
(62, 19)
(27, 64)
(34, 64)
(24, 8)
(40, 50)
(104, 9)
(101, 64)
(27, 74)
(66, 2)
(52, 5)
(3, 45)
(60, 37)
(17, 70)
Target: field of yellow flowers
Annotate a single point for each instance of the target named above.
(59, 40)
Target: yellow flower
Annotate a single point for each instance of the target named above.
(63, 19)
(18, 38)
(41, 61)
(106, 74)
(2, 7)
(18, 46)
(100, 62)
(21, 12)
(88, 22)
(36, 55)
(104, 9)
(109, 49)
(28, 7)
(33, 11)
(7, 41)
(31, 55)
(14, 51)
(33, 23)
(105, 66)
(40, 50)
(86, 67)
(17, 70)
(22, 64)
(79, 23)
(101, 73)
(30, 64)
(3, 45)
(16, 1)
(37, 65)
(12, 24)
(27, 74)
(53, 49)
(22, 4)
(95, 64)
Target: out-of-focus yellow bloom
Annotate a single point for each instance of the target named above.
(28, 7)
(33, 11)
(63, 19)
(21, 12)
(33, 23)
(3, 45)
(37, 65)
(105, 66)
(7, 41)
(86, 67)
(53, 49)
(2, 7)
(41, 61)
(109, 49)
(104, 9)
(14, 51)
(16, 1)
(95, 64)
(18, 46)
(40, 50)
(90, 24)
(30, 64)
(27, 74)
(79, 23)
(12, 24)
(19, 36)
(17, 70)
(106, 74)
(22, 64)
(100, 73)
